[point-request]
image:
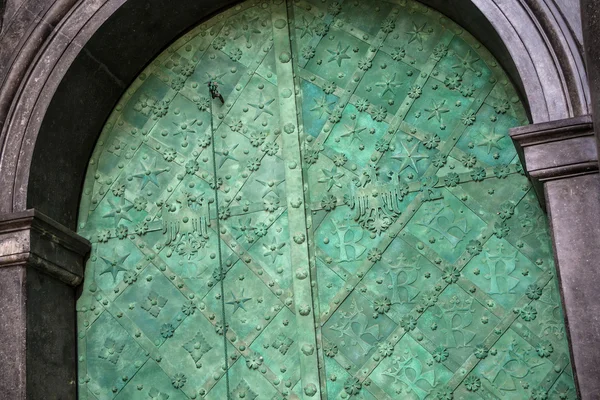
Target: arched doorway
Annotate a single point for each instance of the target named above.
(377, 236)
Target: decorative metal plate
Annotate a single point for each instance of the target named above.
(349, 221)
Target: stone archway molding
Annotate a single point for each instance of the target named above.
(77, 58)
(64, 65)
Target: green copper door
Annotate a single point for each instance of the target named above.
(318, 200)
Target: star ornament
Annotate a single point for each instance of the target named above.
(410, 157)
(466, 61)
(215, 78)
(270, 186)
(490, 140)
(322, 106)
(185, 127)
(338, 54)
(331, 178)
(226, 154)
(261, 106)
(306, 27)
(418, 33)
(114, 264)
(273, 250)
(389, 85)
(245, 28)
(119, 211)
(436, 110)
(238, 302)
(149, 174)
(353, 132)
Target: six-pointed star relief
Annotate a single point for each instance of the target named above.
(436, 110)
(270, 186)
(410, 157)
(273, 250)
(322, 106)
(238, 302)
(353, 132)
(466, 61)
(214, 78)
(261, 106)
(331, 178)
(306, 27)
(389, 84)
(185, 126)
(490, 140)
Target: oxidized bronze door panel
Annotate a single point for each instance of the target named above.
(163, 288)
(349, 221)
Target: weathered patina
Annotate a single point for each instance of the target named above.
(351, 221)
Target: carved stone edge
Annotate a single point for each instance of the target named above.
(552, 131)
(557, 149)
(31, 239)
(2, 8)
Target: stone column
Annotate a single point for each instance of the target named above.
(590, 24)
(561, 159)
(41, 263)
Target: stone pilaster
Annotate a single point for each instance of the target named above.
(562, 161)
(590, 24)
(41, 263)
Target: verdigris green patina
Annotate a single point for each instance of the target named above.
(349, 220)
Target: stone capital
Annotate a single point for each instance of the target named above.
(29, 238)
(556, 150)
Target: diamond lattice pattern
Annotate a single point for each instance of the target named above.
(343, 216)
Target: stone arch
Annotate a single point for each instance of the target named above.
(64, 64)
(427, 224)
(64, 51)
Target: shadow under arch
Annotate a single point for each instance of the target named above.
(73, 79)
